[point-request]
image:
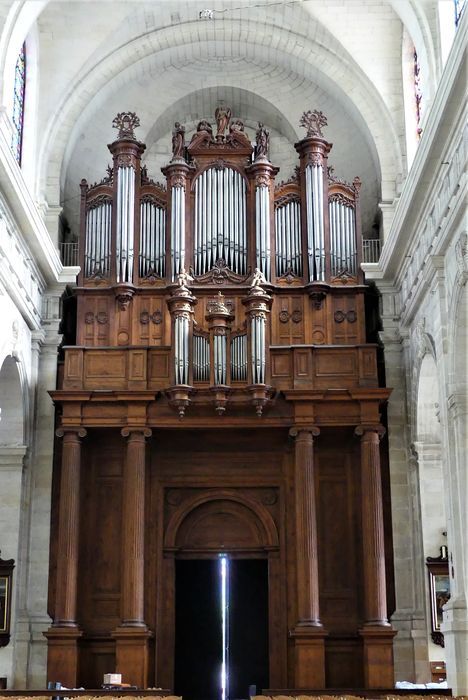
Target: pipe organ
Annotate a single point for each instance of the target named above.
(223, 398)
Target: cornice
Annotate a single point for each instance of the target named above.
(442, 124)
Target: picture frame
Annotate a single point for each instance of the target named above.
(439, 592)
(6, 576)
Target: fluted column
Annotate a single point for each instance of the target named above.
(132, 635)
(308, 633)
(377, 633)
(62, 661)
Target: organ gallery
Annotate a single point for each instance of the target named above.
(221, 404)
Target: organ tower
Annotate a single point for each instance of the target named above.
(221, 399)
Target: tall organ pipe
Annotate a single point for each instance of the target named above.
(315, 222)
(152, 239)
(177, 230)
(97, 241)
(125, 223)
(262, 220)
(220, 224)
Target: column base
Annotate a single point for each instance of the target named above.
(378, 656)
(62, 655)
(309, 656)
(132, 654)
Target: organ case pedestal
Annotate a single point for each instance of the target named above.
(231, 403)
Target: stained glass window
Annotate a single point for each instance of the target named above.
(459, 5)
(18, 103)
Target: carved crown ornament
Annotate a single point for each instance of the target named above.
(126, 123)
(313, 121)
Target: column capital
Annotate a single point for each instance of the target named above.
(294, 432)
(78, 431)
(130, 431)
(363, 430)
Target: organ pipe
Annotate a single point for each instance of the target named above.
(181, 349)
(201, 358)
(288, 239)
(315, 222)
(178, 231)
(125, 223)
(152, 256)
(262, 228)
(239, 358)
(342, 237)
(258, 359)
(97, 239)
(220, 221)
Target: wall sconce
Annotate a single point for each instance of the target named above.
(6, 577)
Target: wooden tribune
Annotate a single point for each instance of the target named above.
(221, 397)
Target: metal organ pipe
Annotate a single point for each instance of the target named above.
(125, 223)
(262, 220)
(342, 237)
(97, 239)
(220, 222)
(258, 360)
(288, 239)
(177, 230)
(315, 222)
(152, 239)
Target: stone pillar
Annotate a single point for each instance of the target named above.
(132, 636)
(377, 633)
(409, 619)
(63, 636)
(308, 634)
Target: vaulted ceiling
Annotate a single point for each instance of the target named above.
(269, 61)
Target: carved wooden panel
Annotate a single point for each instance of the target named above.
(94, 320)
(73, 371)
(100, 571)
(346, 319)
(159, 368)
(151, 324)
(287, 319)
(337, 462)
(105, 369)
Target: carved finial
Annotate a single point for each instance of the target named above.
(217, 304)
(126, 122)
(256, 281)
(178, 141)
(263, 142)
(313, 122)
(183, 278)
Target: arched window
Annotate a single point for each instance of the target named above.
(18, 103)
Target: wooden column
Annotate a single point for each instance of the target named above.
(377, 632)
(132, 635)
(308, 633)
(63, 635)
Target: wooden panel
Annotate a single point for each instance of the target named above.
(281, 364)
(73, 374)
(343, 663)
(137, 362)
(150, 320)
(288, 320)
(105, 369)
(159, 368)
(302, 366)
(337, 533)
(346, 319)
(97, 658)
(367, 366)
(335, 363)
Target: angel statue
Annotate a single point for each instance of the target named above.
(258, 278)
(263, 142)
(222, 116)
(178, 141)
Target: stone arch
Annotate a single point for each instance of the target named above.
(222, 520)
(330, 64)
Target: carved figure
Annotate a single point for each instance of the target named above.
(258, 278)
(263, 142)
(183, 278)
(236, 126)
(222, 116)
(205, 126)
(313, 122)
(178, 141)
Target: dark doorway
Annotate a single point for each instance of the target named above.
(198, 645)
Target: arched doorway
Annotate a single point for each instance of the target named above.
(222, 538)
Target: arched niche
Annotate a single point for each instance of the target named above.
(427, 410)
(12, 410)
(225, 521)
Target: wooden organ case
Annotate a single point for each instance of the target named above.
(221, 397)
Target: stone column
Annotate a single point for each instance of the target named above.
(377, 632)
(132, 635)
(308, 633)
(62, 660)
